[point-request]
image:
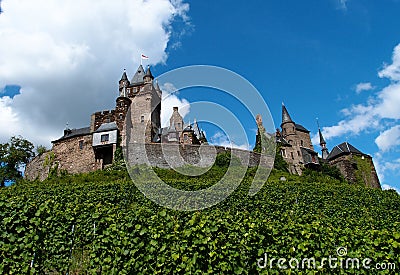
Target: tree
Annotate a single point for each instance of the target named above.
(41, 149)
(13, 155)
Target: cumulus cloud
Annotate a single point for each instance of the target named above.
(389, 139)
(372, 114)
(392, 71)
(68, 57)
(363, 86)
(388, 187)
(221, 139)
(170, 99)
(380, 114)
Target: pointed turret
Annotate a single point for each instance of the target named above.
(285, 115)
(124, 76)
(123, 84)
(322, 142)
(148, 77)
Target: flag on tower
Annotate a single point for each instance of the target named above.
(144, 56)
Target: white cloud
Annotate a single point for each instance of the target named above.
(363, 86)
(170, 99)
(372, 114)
(68, 57)
(220, 139)
(388, 187)
(168, 103)
(389, 139)
(392, 71)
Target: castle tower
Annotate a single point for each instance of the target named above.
(287, 125)
(122, 103)
(298, 151)
(176, 120)
(144, 118)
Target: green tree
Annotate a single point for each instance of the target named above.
(41, 149)
(13, 155)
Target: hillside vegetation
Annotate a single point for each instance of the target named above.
(101, 223)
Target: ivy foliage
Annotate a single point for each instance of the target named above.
(101, 223)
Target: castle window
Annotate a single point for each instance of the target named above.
(121, 116)
(81, 144)
(142, 119)
(298, 153)
(105, 138)
(179, 125)
(291, 154)
(121, 104)
(302, 143)
(283, 152)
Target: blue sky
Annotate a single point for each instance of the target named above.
(321, 58)
(331, 59)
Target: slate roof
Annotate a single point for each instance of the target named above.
(344, 148)
(321, 138)
(301, 128)
(138, 77)
(70, 133)
(124, 76)
(285, 115)
(148, 72)
(107, 127)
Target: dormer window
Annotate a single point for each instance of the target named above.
(142, 119)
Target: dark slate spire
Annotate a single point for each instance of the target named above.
(321, 138)
(148, 73)
(124, 76)
(322, 142)
(138, 77)
(285, 115)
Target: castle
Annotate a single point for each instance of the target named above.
(93, 147)
(297, 150)
(136, 118)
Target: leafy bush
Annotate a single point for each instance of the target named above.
(224, 160)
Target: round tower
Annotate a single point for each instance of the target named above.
(288, 126)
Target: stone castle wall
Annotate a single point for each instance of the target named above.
(175, 155)
(357, 168)
(66, 155)
(38, 168)
(69, 157)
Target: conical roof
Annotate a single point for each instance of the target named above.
(138, 77)
(321, 137)
(124, 76)
(148, 73)
(285, 115)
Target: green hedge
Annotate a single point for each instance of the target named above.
(118, 231)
